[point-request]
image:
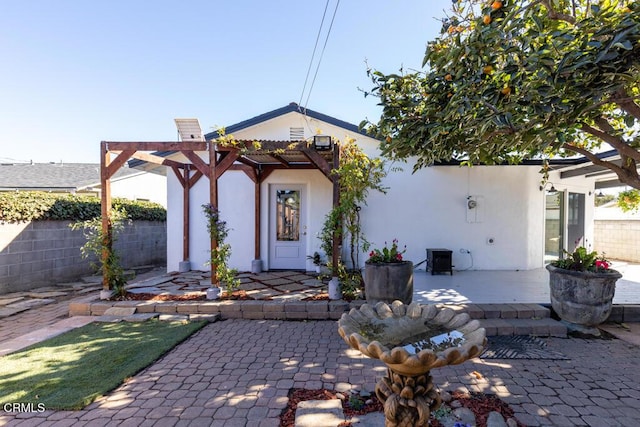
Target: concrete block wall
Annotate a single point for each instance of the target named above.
(39, 253)
(618, 239)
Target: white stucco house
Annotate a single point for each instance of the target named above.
(490, 217)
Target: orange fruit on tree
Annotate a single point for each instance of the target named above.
(506, 90)
(448, 77)
(486, 19)
(487, 69)
(496, 5)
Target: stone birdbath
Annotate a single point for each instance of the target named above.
(411, 340)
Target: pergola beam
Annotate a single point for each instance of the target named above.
(157, 160)
(156, 146)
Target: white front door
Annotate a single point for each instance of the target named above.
(287, 228)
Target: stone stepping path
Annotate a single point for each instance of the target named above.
(280, 285)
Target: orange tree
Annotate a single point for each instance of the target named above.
(511, 80)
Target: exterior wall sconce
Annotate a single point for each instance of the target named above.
(551, 190)
(322, 142)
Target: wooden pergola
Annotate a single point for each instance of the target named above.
(257, 159)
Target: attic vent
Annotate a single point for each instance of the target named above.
(296, 134)
(189, 130)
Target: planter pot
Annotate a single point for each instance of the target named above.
(388, 282)
(334, 289)
(213, 293)
(582, 297)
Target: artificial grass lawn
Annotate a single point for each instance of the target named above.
(73, 369)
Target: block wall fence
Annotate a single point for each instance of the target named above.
(618, 239)
(41, 253)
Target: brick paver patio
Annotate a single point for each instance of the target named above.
(238, 373)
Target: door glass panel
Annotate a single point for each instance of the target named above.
(575, 221)
(553, 243)
(288, 215)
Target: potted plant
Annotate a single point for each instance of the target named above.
(582, 286)
(317, 261)
(387, 276)
(220, 271)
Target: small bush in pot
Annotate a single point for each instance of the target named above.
(388, 276)
(582, 286)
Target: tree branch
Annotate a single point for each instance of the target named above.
(627, 103)
(617, 143)
(553, 14)
(627, 173)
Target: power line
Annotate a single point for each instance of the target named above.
(326, 6)
(335, 10)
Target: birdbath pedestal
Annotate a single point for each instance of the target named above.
(411, 340)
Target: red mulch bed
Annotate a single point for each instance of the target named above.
(479, 403)
(297, 395)
(325, 297)
(235, 295)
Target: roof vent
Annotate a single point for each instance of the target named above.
(189, 130)
(296, 134)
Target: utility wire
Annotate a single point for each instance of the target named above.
(335, 10)
(326, 6)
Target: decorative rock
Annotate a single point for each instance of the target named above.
(465, 416)
(341, 396)
(319, 413)
(495, 419)
(455, 404)
(511, 422)
(445, 396)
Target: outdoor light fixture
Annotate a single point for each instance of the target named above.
(552, 190)
(322, 142)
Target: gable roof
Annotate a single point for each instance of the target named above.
(53, 176)
(292, 107)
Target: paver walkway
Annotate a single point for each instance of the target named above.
(238, 373)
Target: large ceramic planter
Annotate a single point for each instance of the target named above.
(582, 297)
(388, 282)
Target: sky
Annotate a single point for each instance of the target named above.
(76, 72)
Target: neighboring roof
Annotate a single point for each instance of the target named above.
(53, 176)
(292, 107)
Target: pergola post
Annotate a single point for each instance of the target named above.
(105, 210)
(337, 234)
(186, 189)
(213, 199)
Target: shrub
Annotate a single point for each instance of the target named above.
(25, 206)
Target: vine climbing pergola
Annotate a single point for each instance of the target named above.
(257, 159)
